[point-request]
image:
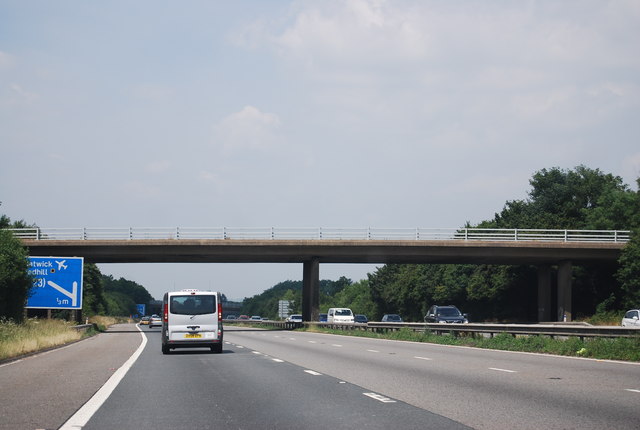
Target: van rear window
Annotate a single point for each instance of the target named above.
(193, 304)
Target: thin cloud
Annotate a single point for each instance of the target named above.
(247, 129)
(159, 166)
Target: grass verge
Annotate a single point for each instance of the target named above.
(35, 334)
(625, 349)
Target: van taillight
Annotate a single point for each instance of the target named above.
(219, 311)
(165, 312)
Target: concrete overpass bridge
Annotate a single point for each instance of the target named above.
(313, 246)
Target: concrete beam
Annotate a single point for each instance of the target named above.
(564, 290)
(544, 293)
(311, 290)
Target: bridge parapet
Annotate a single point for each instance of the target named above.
(321, 233)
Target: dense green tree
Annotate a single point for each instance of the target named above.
(133, 290)
(581, 198)
(94, 301)
(15, 282)
(629, 272)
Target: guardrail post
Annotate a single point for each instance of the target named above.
(273, 234)
(177, 232)
(417, 233)
(84, 233)
(38, 233)
(224, 232)
(130, 233)
(566, 235)
(515, 234)
(368, 233)
(466, 234)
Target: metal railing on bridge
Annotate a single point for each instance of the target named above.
(321, 233)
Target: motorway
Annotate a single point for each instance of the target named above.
(286, 380)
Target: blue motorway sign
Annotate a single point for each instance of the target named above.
(57, 283)
(141, 309)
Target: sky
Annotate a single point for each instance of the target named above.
(354, 113)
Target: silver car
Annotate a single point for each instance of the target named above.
(631, 318)
(155, 321)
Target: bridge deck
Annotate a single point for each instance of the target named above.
(326, 251)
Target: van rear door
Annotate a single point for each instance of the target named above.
(193, 317)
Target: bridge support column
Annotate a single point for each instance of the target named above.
(311, 290)
(544, 293)
(564, 290)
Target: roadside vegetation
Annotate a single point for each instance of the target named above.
(625, 349)
(34, 335)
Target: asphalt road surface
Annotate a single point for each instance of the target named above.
(296, 380)
(42, 391)
(245, 389)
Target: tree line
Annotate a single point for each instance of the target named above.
(577, 199)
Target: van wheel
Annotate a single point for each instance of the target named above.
(165, 349)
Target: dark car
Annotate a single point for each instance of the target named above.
(322, 318)
(391, 318)
(360, 319)
(445, 314)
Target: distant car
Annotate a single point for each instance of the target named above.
(360, 319)
(391, 318)
(631, 318)
(294, 318)
(256, 318)
(322, 317)
(155, 321)
(144, 320)
(339, 315)
(243, 317)
(231, 317)
(445, 314)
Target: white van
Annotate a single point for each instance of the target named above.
(192, 318)
(339, 315)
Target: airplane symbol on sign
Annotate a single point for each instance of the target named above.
(61, 264)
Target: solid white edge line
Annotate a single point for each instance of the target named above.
(313, 372)
(632, 390)
(84, 414)
(422, 358)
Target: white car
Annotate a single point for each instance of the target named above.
(631, 318)
(294, 318)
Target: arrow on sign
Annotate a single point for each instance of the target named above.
(72, 295)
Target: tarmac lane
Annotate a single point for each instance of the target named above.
(42, 391)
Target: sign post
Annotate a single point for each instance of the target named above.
(57, 283)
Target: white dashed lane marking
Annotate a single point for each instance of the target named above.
(379, 397)
(313, 372)
(422, 358)
(503, 370)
